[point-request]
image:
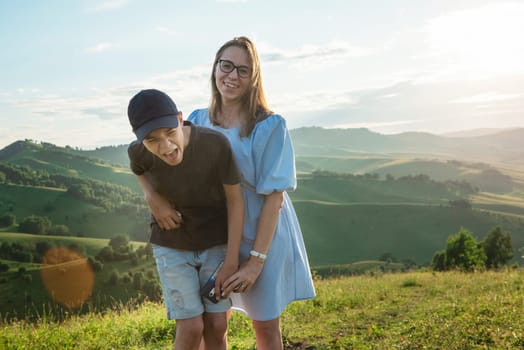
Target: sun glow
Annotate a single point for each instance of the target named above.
(482, 42)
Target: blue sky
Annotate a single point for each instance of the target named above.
(69, 68)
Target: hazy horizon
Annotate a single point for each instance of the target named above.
(69, 69)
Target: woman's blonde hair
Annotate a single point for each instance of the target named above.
(254, 101)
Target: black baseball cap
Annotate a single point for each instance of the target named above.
(149, 110)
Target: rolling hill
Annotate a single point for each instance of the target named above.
(330, 188)
(354, 203)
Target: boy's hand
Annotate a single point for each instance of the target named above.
(166, 216)
(225, 272)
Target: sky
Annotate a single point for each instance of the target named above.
(69, 68)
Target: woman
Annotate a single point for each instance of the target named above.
(274, 268)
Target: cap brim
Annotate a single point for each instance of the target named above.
(166, 121)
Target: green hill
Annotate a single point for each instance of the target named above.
(343, 233)
(358, 206)
(62, 208)
(323, 199)
(52, 159)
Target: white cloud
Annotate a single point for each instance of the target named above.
(100, 47)
(90, 118)
(321, 54)
(487, 97)
(107, 5)
(373, 125)
(167, 30)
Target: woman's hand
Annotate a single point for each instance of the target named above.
(244, 278)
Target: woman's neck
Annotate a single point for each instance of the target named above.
(231, 115)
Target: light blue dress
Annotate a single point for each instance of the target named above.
(266, 163)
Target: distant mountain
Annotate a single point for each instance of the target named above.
(490, 147)
(504, 146)
(474, 132)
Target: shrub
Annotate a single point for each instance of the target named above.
(498, 248)
(35, 224)
(7, 220)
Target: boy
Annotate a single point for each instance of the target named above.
(194, 168)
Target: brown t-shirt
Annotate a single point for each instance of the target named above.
(194, 187)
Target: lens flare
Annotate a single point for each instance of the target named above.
(67, 276)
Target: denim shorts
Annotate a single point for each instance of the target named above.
(182, 273)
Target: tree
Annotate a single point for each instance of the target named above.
(460, 203)
(439, 261)
(120, 244)
(95, 264)
(41, 247)
(138, 280)
(498, 248)
(105, 254)
(7, 220)
(58, 230)
(463, 252)
(6, 250)
(113, 277)
(35, 224)
(388, 257)
(81, 191)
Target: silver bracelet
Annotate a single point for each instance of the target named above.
(258, 255)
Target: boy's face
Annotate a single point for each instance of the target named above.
(167, 143)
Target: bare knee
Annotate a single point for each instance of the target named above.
(191, 328)
(268, 334)
(215, 326)
(270, 326)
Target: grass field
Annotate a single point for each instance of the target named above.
(415, 310)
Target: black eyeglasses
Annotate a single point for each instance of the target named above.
(227, 66)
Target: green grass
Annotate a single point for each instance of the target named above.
(416, 310)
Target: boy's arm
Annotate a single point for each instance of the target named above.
(235, 224)
(166, 216)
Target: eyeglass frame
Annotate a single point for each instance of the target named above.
(248, 73)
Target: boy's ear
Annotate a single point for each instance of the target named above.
(180, 118)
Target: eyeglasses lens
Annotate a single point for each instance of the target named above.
(228, 66)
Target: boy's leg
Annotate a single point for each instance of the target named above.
(179, 276)
(189, 333)
(215, 317)
(215, 331)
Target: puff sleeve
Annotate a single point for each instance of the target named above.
(274, 156)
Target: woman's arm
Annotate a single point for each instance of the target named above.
(267, 223)
(166, 216)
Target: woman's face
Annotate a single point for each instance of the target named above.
(233, 85)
